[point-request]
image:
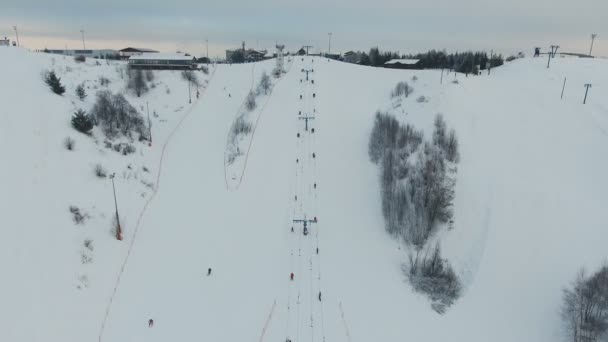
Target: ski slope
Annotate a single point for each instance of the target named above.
(529, 209)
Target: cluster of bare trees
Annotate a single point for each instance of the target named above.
(432, 275)
(115, 115)
(417, 177)
(137, 80)
(241, 126)
(417, 184)
(585, 307)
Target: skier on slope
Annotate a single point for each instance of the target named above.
(209, 271)
(319, 296)
(291, 276)
(150, 323)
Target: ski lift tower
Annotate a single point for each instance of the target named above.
(280, 48)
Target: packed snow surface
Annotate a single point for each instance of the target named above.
(529, 209)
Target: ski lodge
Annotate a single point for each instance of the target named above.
(131, 51)
(403, 64)
(162, 61)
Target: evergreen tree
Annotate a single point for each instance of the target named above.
(55, 83)
(81, 122)
(80, 92)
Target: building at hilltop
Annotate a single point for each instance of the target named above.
(245, 55)
(5, 42)
(162, 61)
(89, 53)
(131, 51)
(403, 64)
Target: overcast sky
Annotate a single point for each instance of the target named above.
(407, 26)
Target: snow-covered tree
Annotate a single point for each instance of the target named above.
(81, 122)
(55, 83)
(80, 92)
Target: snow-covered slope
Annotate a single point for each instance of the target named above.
(528, 210)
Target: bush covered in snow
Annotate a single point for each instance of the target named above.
(77, 215)
(80, 92)
(69, 143)
(250, 101)
(99, 171)
(421, 99)
(115, 115)
(265, 84)
(103, 81)
(190, 76)
(402, 89)
(433, 276)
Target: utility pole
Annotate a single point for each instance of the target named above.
(593, 36)
(552, 53)
(207, 45)
(83, 46)
(307, 71)
(118, 228)
(16, 34)
(306, 118)
(441, 82)
(587, 86)
(189, 93)
(490, 66)
(329, 49)
(149, 124)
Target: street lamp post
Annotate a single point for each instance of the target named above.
(83, 46)
(118, 229)
(149, 124)
(16, 34)
(593, 36)
(329, 48)
(587, 86)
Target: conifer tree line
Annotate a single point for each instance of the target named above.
(464, 62)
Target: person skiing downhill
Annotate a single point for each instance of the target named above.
(150, 323)
(291, 276)
(209, 272)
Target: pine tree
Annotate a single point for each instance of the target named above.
(81, 122)
(55, 83)
(80, 92)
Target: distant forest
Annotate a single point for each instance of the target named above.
(464, 62)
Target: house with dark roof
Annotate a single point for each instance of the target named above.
(131, 51)
(162, 61)
(403, 64)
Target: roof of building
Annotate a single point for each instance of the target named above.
(132, 49)
(162, 56)
(403, 61)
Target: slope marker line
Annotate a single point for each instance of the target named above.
(268, 320)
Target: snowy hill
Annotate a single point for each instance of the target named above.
(529, 209)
